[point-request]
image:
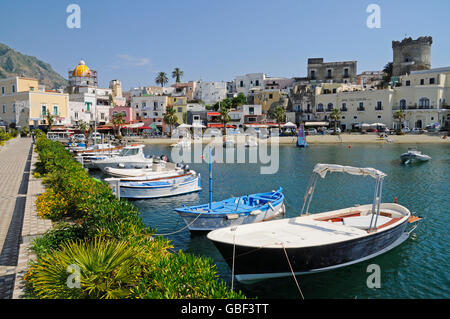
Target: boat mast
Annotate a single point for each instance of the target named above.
(210, 178)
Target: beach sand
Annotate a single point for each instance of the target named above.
(325, 139)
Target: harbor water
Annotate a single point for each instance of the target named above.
(419, 268)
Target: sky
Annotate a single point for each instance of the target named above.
(214, 40)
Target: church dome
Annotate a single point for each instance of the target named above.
(81, 70)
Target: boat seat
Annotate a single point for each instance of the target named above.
(363, 222)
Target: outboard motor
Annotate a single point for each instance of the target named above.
(186, 168)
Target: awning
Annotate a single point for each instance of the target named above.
(213, 113)
(220, 125)
(135, 125)
(316, 123)
(290, 124)
(323, 169)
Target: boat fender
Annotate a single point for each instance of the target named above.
(255, 212)
(232, 216)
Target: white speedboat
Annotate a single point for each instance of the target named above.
(251, 142)
(228, 141)
(159, 168)
(139, 188)
(414, 155)
(129, 157)
(315, 242)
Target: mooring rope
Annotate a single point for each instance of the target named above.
(179, 230)
(292, 271)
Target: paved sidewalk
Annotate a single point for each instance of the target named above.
(18, 220)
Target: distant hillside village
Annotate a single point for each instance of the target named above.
(408, 85)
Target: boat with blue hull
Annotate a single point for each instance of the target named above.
(141, 188)
(233, 211)
(318, 242)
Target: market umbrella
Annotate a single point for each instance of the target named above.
(290, 124)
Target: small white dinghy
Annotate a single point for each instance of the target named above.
(315, 242)
(414, 155)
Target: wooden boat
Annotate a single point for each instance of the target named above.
(414, 155)
(156, 187)
(233, 211)
(315, 242)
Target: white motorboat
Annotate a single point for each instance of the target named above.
(251, 141)
(139, 188)
(315, 242)
(129, 157)
(414, 155)
(159, 168)
(228, 141)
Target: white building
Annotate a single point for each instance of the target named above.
(210, 92)
(249, 81)
(150, 107)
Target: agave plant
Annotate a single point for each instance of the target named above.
(87, 269)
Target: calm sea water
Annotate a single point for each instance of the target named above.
(419, 268)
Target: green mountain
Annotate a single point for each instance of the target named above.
(13, 63)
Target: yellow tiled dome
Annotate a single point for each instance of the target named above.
(81, 70)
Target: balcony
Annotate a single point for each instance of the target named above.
(361, 108)
(343, 109)
(319, 110)
(378, 108)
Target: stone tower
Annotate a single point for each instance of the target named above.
(411, 55)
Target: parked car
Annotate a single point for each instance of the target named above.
(311, 131)
(331, 130)
(416, 130)
(79, 138)
(95, 136)
(405, 130)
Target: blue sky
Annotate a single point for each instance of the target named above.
(217, 40)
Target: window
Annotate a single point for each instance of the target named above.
(4, 108)
(408, 83)
(334, 90)
(251, 110)
(144, 104)
(241, 84)
(55, 110)
(330, 107)
(31, 88)
(379, 106)
(320, 107)
(329, 73)
(344, 107)
(180, 110)
(422, 81)
(76, 115)
(313, 74)
(432, 80)
(402, 104)
(88, 106)
(3, 90)
(102, 116)
(361, 106)
(270, 96)
(13, 88)
(257, 83)
(44, 110)
(424, 103)
(14, 107)
(346, 73)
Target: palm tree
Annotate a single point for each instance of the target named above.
(170, 118)
(399, 116)
(335, 116)
(279, 116)
(177, 74)
(161, 79)
(118, 121)
(224, 117)
(82, 126)
(388, 71)
(50, 119)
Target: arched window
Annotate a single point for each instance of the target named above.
(330, 107)
(424, 103)
(402, 104)
(320, 107)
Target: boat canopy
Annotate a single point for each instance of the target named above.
(322, 169)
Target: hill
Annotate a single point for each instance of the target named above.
(14, 63)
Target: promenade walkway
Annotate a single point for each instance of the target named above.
(18, 220)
